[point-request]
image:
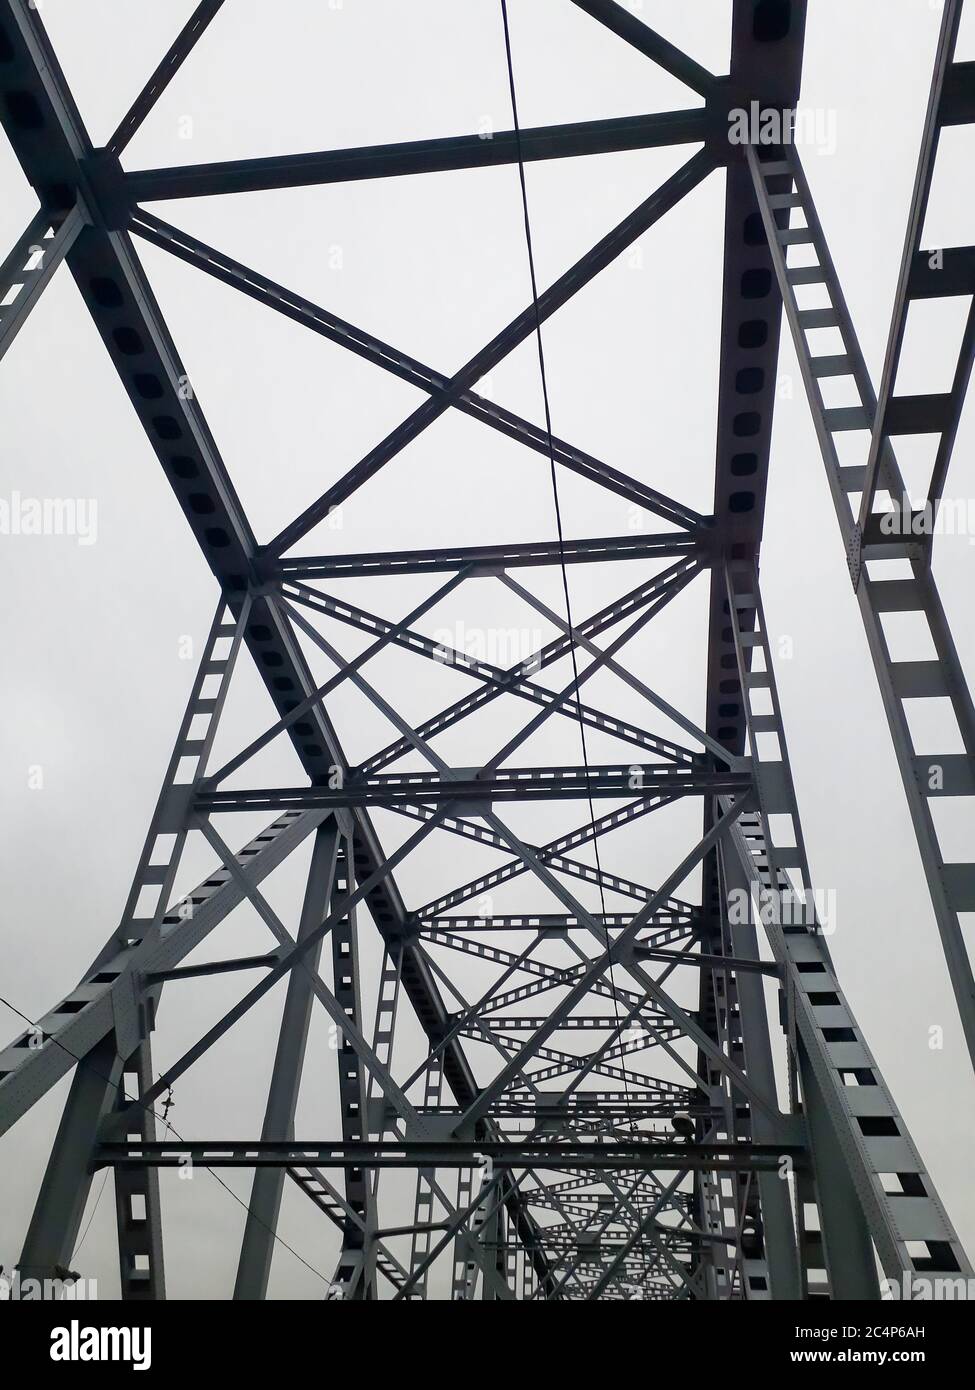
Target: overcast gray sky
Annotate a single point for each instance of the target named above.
(96, 679)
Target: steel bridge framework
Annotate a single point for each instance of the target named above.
(554, 1173)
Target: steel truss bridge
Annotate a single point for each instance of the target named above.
(558, 1168)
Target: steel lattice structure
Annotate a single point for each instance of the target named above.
(554, 1168)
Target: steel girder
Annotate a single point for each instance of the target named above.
(890, 562)
(454, 1154)
(703, 1209)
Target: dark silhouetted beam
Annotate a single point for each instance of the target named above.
(503, 784)
(488, 557)
(174, 59)
(419, 156)
(650, 43)
(655, 1157)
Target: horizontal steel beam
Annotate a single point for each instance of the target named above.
(421, 156)
(211, 967)
(491, 558)
(627, 1104)
(259, 1153)
(555, 922)
(504, 784)
(707, 962)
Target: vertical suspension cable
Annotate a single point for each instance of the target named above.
(565, 579)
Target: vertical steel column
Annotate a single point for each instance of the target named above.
(465, 1191)
(356, 1274)
(137, 1211)
(876, 1158)
(719, 1269)
(492, 1245)
(256, 1249)
(60, 1206)
(424, 1197)
(812, 1253)
(847, 1246)
(97, 1090)
(780, 1239)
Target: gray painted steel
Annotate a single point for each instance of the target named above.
(563, 1173)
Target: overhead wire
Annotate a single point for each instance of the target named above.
(530, 247)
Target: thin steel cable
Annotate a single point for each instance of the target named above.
(558, 521)
(84, 1234)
